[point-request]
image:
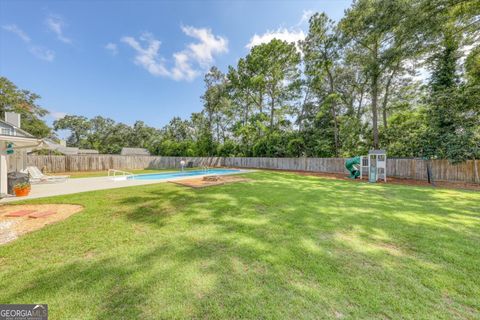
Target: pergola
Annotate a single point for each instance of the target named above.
(18, 143)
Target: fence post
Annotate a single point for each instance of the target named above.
(475, 168)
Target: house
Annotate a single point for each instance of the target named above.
(68, 151)
(11, 135)
(134, 152)
(13, 138)
(11, 126)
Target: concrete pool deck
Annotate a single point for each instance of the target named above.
(78, 185)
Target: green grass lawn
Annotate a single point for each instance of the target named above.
(281, 246)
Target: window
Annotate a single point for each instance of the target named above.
(6, 131)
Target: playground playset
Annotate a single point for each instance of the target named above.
(375, 164)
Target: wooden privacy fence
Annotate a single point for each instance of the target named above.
(330, 165)
(442, 170)
(416, 169)
(105, 162)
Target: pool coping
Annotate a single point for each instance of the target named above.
(125, 178)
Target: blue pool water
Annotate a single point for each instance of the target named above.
(169, 175)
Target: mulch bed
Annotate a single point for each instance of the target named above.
(202, 182)
(391, 180)
(16, 220)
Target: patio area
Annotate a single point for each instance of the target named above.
(84, 184)
(77, 185)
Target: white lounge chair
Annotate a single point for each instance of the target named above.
(36, 176)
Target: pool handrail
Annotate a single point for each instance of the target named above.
(115, 171)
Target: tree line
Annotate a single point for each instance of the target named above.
(402, 75)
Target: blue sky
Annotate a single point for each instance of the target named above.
(137, 60)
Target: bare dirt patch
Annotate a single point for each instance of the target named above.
(209, 181)
(13, 227)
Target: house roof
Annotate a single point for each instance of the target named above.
(52, 145)
(68, 150)
(377, 152)
(17, 128)
(87, 151)
(23, 142)
(134, 152)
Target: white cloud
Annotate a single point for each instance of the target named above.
(38, 51)
(148, 57)
(19, 32)
(284, 34)
(42, 53)
(56, 25)
(291, 35)
(208, 46)
(305, 17)
(112, 47)
(187, 64)
(183, 69)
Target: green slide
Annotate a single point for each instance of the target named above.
(353, 166)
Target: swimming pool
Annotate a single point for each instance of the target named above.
(180, 174)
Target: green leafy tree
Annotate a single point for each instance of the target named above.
(142, 135)
(26, 104)
(321, 52)
(35, 126)
(382, 42)
(100, 129)
(406, 133)
(278, 78)
(453, 113)
(217, 104)
(472, 66)
(78, 126)
(357, 91)
(202, 135)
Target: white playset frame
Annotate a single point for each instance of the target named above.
(376, 159)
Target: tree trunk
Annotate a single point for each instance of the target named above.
(384, 111)
(387, 93)
(245, 120)
(272, 112)
(360, 102)
(260, 101)
(375, 110)
(335, 130)
(77, 137)
(334, 113)
(302, 110)
(374, 92)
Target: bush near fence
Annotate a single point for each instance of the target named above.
(400, 168)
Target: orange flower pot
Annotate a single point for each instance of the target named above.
(22, 192)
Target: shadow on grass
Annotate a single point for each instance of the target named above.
(282, 246)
